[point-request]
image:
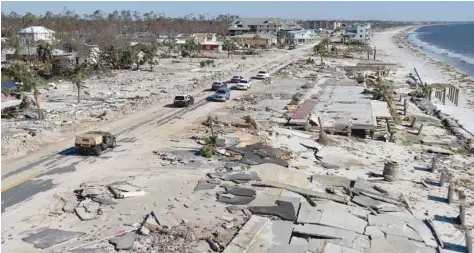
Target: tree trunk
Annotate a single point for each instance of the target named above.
(78, 93)
(321, 59)
(37, 100)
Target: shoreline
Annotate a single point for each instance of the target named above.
(445, 59)
(455, 72)
(431, 71)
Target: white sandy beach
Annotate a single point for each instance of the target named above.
(430, 70)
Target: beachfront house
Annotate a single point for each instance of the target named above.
(300, 37)
(35, 34)
(359, 32)
(261, 25)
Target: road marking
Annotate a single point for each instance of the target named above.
(21, 181)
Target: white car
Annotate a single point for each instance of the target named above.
(262, 75)
(244, 84)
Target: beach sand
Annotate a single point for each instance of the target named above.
(430, 70)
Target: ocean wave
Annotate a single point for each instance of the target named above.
(439, 51)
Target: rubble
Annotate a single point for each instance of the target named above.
(49, 237)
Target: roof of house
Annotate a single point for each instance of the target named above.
(252, 35)
(246, 22)
(36, 29)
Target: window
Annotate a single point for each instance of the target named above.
(361, 36)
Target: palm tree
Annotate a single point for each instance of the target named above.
(76, 79)
(20, 72)
(320, 49)
(45, 52)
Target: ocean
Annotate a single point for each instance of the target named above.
(452, 44)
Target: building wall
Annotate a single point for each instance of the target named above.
(323, 24)
(34, 37)
(360, 32)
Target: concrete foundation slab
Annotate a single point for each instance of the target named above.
(125, 242)
(247, 234)
(284, 210)
(374, 232)
(49, 237)
(343, 220)
(309, 214)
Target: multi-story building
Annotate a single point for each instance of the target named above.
(35, 34)
(299, 37)
(261, 25)
(321, 24)
(359, 32)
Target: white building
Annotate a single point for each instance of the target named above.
(34, 34)
(359, 32)
(299, 37)
(261, 25)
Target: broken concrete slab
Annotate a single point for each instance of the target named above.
(283, 209)
(235, 166)
(363, 184)
(374, 232)
(304, 192)
(84, 215)
(403, 231)
(353, 209)
(234, 200)
(299, 241)
(424, 232)
(328, 180)
(277, 173)
(379, 245)
(292, 200)
(344, 220)
(287, 248)
(125, 242)
(205, 185)
(325, 232)
(49, 237)
(334, 248)
(90, 206)
(317, 245)
(234, 209)
(309, 214)
(361, 242)
(236, 175)
(125, 187)
(89, 250)
(247, 234)
(368, 202)
(281, 231)
(241, 191)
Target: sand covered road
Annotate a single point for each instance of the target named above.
(138, 134)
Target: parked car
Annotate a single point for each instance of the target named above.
(183, 100)
(236, 79)
(217, 85)
(262, 75)
(94, 142)
(222, 94)
(244, 84)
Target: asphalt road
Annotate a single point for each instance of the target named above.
(65, 161)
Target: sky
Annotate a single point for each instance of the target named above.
(395, 11)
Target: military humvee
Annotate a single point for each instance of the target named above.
(94, 142)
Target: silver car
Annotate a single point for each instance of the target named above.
(222, 94)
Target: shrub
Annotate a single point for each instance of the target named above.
(308, 86)
(207, 151)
